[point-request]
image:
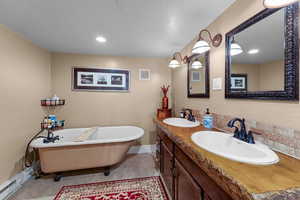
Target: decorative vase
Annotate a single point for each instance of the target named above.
(165, 102)
(165, 99)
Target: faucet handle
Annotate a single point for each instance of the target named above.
(250, 138)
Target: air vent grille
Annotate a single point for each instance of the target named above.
(144, 74)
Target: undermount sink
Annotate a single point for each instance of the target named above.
(227, 146)
(180, 122)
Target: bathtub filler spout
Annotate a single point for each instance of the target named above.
(50, 137)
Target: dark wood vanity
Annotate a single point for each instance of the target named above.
(191, 173)
(182, 177)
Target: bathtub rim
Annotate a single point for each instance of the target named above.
(38, 143)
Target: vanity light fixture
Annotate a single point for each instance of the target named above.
(174, 63)
(101, 39)
(253, 51)
(278, 3)
(197, 64)
(203, 46)
(235, 48)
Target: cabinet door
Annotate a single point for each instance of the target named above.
(158, 153)
(167, 167)
(185, 187)
(206, 197)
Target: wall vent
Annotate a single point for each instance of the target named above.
(144, 74)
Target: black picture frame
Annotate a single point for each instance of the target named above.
(242, 76)
(110, 79)
(291, 74)
(207, 85)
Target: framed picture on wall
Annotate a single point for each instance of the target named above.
(239, 82)
(94, 79)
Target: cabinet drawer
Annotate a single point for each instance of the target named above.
(211, 189)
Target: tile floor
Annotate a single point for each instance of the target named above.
(134, 166)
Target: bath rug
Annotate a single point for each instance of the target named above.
(150, 188)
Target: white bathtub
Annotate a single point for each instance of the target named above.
(105, 147)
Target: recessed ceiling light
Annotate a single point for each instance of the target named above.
(101, 39)
(253, 51)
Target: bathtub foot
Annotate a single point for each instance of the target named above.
(57, 177)
(106, 171)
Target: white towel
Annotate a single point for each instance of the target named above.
(85, 135)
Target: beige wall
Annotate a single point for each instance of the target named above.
(283, 113)
(262, 77)
(272, 76)
(253, 74)
(197, 86)
(137, 107)
(24, 80)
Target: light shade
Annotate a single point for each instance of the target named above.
(174, 63)
(278, 3)
(197, 65)
(200, 47)
(235, 49)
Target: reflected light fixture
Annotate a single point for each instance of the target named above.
(174, 63)
(202, 46)
(253, 51)
(278, 3)
(235, 48)
(101, 39)
(197, 64)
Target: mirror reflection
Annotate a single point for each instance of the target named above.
(197, 70)
(257, 56)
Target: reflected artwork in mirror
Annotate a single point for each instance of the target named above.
(198, 76)
(262, 56)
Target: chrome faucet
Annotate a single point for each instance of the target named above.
(241, 132)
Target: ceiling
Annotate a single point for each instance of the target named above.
(152, 28)
(266, 35)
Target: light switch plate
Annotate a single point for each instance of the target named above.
(217, 84)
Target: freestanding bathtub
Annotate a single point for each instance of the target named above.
(105, 147)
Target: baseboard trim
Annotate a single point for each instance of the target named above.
(142, 149)
(9, 187)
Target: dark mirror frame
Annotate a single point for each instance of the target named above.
(291, 79)
(189, 63)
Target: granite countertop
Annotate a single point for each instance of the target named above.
(241, 181)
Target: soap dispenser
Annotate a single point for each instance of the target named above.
(208, 119)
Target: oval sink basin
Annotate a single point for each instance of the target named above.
(180, 122)
(227, 146)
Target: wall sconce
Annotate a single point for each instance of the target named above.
(174, 63)
(278, 3)
(202, 46)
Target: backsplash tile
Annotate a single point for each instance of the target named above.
(282, 139)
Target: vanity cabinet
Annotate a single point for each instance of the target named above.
(183, 178)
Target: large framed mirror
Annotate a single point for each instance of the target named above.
(198, 76)
(262, 56)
